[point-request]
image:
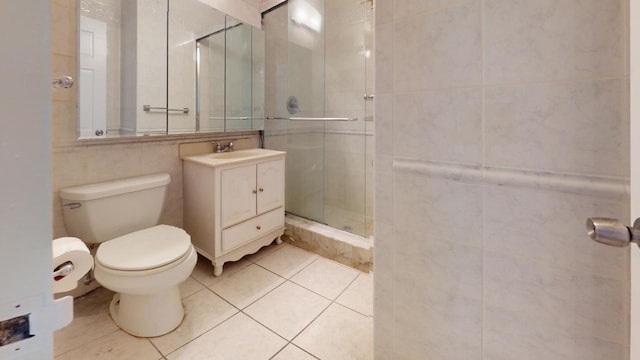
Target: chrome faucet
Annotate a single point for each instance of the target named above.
(226, 148)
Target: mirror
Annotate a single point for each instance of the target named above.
(151, 67)
(230, 79)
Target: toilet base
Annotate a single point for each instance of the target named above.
(148, 315)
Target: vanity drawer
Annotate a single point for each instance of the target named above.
(249, 230)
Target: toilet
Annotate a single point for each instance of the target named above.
(144, 263)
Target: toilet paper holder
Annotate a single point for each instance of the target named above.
(612, 232)
(63, 270)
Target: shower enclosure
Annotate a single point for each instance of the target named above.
(319, 66)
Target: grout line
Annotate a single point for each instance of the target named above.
(483, 170)
(155, 347)
(331, 302)
(197, 337)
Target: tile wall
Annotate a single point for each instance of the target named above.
(500, 127)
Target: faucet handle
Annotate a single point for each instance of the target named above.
(218, 146)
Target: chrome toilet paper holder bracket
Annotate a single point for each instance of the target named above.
(63, 270)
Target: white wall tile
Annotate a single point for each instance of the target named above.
(438, 209)
(514, 334)
(538, 281)
(434, 324)
(383, 189)
(441, 125)
(549, 227)
(384, 124)
(402, 8)
(438, 49)
(548, 40)
(437, 264)
(383, 305)
(384, 58)
(529, 126)
(578, 303)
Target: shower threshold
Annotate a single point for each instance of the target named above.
(335, 244)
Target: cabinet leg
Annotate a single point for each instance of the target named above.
(217, 269)
(278, 240)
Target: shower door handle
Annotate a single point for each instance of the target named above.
(612, 232)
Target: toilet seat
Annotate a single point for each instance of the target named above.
(146, 249)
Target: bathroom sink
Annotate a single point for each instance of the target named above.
(232, 157)
(248, 153)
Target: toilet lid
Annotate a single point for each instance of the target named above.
(144, 249)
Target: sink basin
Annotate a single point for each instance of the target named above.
(238, 154)
(233, 157)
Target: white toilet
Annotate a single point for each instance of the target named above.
(142, 262)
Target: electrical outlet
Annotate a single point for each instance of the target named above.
(14, 329)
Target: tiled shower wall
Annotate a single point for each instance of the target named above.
(500, 127)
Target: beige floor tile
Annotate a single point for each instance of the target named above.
(203, 311)
(237, 338)
(338, 334)
(273, 247)
(91, 321)
(203, 272)
(190, 287)
(359, 295)
(287, 309)
(116, 345)
(287, 261)
(292, 352)
(325, 277)
(247, 285)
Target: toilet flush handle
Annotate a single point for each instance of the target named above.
(612, 232)
(73, 205)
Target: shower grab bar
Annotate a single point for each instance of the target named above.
(149, 108)
(312, 118)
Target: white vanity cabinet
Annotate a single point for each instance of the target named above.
(233, 208)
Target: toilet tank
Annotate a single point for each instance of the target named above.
(99, 212)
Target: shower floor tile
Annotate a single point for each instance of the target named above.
(329, 314)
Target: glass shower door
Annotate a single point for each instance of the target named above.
(295, 89)
(346, 165)
(318, 63)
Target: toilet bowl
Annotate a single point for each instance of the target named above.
(147, 301)
(142, 262)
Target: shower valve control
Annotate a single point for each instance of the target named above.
(612, 232)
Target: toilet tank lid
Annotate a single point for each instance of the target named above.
(116, 187)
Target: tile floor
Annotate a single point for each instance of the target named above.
(282, 303)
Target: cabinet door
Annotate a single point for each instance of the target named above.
(238, 198)
(270, 185)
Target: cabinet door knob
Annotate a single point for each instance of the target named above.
(261, 189)
(258, 227)
(254, 191)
